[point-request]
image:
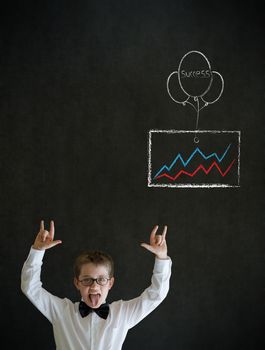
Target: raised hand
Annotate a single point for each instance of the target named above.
(158, 244)
(45, 239)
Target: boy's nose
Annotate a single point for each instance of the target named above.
(94, 283)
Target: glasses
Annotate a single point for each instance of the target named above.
(102, 281)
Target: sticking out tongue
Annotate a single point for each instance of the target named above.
(94, 298)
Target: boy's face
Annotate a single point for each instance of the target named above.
(93, 295)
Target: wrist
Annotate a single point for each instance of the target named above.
(36, 247)
(162, 257)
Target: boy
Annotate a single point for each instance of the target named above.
(92, 324)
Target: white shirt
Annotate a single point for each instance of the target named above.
(71, 331)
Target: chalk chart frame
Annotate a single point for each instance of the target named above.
(151, 183)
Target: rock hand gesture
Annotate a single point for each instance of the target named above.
(158, 244)
(45, 239)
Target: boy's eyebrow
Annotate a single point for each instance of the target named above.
(91, 276)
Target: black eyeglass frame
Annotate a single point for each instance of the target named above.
(92, 280)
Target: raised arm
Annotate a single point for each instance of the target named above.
(134, 310)
(45, 239)
(31, 284)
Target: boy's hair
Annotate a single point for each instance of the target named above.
(96, 257)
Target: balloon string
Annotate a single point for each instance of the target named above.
(196, 139)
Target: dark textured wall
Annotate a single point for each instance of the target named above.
(81, 85)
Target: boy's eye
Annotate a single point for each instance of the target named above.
(102, 280)
(87, 281)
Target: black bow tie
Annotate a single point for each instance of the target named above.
(101, 311)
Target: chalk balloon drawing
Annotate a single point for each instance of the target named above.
(195, 79)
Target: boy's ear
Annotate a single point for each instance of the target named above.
(76, 283)
(111, 282)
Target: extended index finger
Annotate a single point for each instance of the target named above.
(153, 233)
(42, 225)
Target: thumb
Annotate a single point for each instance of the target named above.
(54, 243)
(148, 247)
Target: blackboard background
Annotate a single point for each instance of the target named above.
(81, 85)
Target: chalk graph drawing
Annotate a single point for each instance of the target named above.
(194, 158)
(175, 160)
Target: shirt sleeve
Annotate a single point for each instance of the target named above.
(31, 285)
(136, 309)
